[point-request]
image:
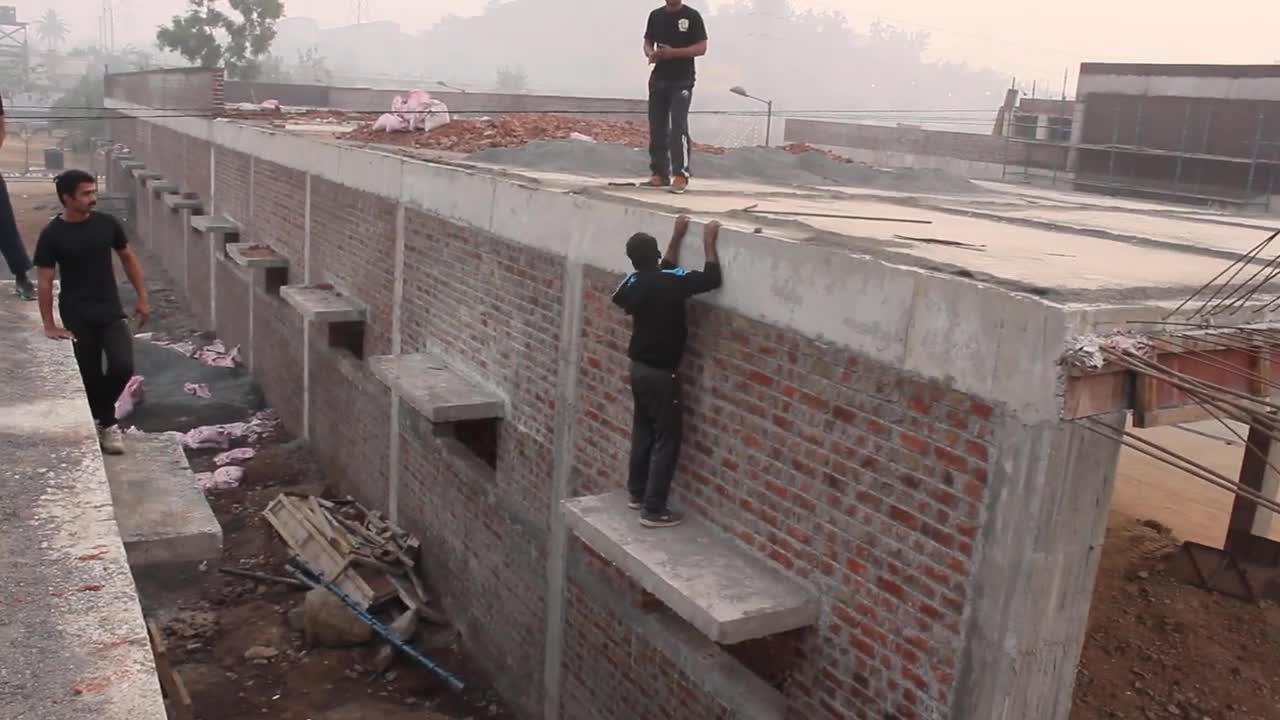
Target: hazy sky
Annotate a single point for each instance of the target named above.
(1031, 39)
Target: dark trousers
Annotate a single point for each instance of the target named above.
(669, 144)
(656, 432)
(105, 356)
(15, 255)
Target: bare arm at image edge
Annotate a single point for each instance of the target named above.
(44, 284)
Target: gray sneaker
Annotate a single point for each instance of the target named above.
(111, 440)
(24, 289)
(665, 519)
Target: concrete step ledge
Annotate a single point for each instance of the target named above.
(130, 166)
(164, 518)
(704, 577)
(182, 202)
(256, 256)
(161, 186)
(214, 224)
(141, 173)
(323, 305)
(442, 395)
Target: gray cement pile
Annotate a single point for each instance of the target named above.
(764, 165)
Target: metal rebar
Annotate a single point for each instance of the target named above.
(1252, 253)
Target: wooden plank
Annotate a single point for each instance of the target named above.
(1097, 395)
(170, 682)
(1164, 417)
(303, 538)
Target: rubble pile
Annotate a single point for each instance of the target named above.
(468, 135)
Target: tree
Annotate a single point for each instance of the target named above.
(52, 29)
(512, 80)
(313, 68)
(235, 38)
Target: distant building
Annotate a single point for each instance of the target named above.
(1192, 133)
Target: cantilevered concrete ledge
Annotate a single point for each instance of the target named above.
(214, 224)
(323, 304)
(142, 173)
(72, 630)
(182, 202)
(130, 166)
(256, 256)
(164, 518)
(718, 588)
(161, 186)
(440, 394)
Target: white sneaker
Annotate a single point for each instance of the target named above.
(111, 440)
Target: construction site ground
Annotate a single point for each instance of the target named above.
(210, 620)
(1155, 648)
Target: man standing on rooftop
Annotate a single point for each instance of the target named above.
(674, 37)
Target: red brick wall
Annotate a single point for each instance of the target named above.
(482, 556)
(166, 152)
(231, 184)
(353, 240)
(277, 357)
(233, 306)
(198, 270)
(498, 305)
(350, 421)
(279, 213)
(196, 177)
(611, 669)
(852, 476)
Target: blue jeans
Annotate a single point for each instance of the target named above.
(15, 254)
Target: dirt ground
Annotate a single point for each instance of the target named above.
(1157, 648)
(211, 619)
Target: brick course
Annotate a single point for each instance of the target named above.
(277, 357)
(231, 184)
(353, 236)
(279, 213)
(234, 286)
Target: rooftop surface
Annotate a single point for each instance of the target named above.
(1063, 246)
(70, 621)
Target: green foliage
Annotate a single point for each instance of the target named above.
(512, 80)
(52, 29)
(236, 37)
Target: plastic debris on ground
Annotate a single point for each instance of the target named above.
(130, 398)
(223, 478)
(238, 455)
(221, 437)
(217, 355)
(200, 390)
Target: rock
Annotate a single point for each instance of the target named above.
(329, 623)
(1143, 574)
(258, 652)
(404, 627)
(297, 618)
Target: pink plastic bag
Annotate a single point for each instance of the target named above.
(130, 398)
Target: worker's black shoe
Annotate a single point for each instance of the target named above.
(665, 519)
(24, 288)
(635, 504)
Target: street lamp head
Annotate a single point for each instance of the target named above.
(739, 90)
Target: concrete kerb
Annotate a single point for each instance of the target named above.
(849, 309)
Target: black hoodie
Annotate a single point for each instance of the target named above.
(655, 301)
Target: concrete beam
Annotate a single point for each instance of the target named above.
(323, 305)
(164, 518)
(442, 395)
(724, 592)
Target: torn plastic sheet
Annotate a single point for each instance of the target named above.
(232, 457)
(200, 390)
(221, 479)
(221, 437)
(130, 398)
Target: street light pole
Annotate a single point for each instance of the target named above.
(768, 123)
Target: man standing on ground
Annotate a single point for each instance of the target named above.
(675, 36)
(15, 255)
(78, 245)
(654, 296)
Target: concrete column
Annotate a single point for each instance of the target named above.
(1042, 127)
(1077, 135)
(565, 436)
(1046, 517)
(397, 332)
(1248, 521)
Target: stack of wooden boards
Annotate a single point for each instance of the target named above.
(365, 555)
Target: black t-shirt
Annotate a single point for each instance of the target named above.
(678, 29)
(81, 252)
(655, 301)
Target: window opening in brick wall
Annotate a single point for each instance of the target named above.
(348, 336)
(480, 437)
